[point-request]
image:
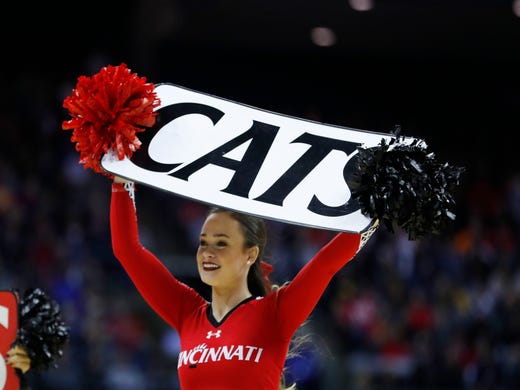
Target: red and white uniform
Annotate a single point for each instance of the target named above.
(247, 348)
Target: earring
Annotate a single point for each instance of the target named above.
(248, 261)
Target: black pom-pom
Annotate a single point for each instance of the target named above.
(403, 185)
(41, 330)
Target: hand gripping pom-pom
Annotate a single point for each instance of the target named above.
(403, 185)
(42, 331)
(107, 111)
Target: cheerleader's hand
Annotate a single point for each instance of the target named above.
(18, 358)
(122, 180)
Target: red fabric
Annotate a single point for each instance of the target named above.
(107, 111)
(8, 331)
(267, 269)
(247, 349)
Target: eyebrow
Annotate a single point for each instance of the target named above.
(215, 235)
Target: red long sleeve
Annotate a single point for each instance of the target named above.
(163, 292)
(297, 299)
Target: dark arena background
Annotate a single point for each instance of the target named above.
(439, 313)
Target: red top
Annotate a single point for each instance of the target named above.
(248, 347)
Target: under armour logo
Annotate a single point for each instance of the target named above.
(216, 334)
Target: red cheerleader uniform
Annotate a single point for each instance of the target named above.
(245, 350)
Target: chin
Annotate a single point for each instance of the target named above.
(207, 280)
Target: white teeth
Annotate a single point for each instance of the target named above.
(211, 266)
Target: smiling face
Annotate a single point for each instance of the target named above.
(222, 256)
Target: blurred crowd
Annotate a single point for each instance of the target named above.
(438, 313)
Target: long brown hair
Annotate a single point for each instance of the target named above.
(255, 234)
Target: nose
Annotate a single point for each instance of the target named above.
(207, 253)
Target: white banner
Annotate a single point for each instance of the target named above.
(251, 160)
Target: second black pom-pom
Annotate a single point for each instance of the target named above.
(42, 331)
(403, 185)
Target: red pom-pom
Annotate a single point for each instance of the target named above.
(107, 111)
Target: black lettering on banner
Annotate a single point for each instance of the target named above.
(320, 148)
(346, 208)
(261, 135)
(165, 115)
